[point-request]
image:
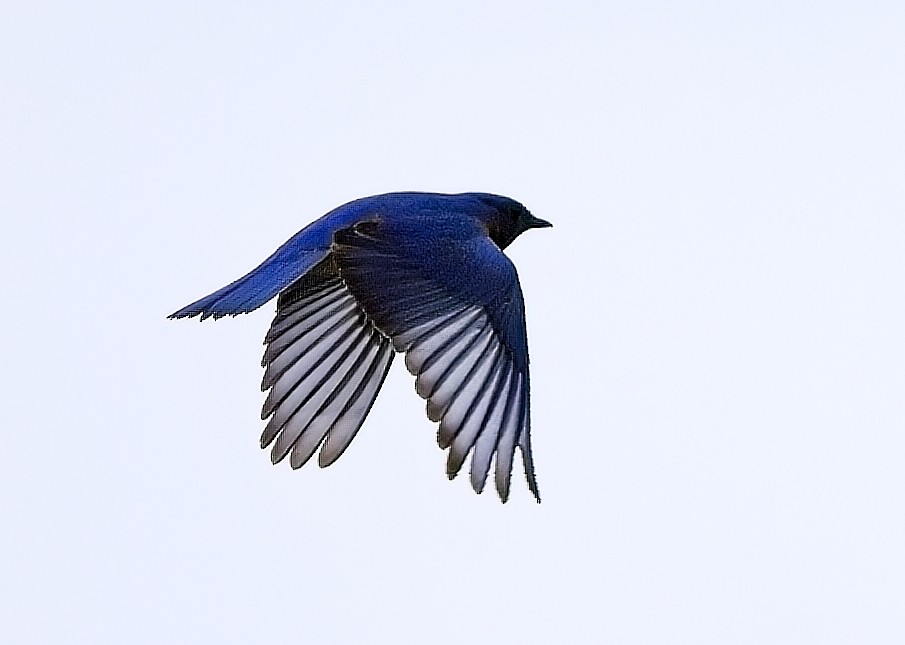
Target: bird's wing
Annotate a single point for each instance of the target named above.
(324, 365)
(451, 300)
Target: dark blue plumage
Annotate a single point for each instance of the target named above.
(420, 273)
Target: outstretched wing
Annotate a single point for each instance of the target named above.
(451, 300)
(324, 365)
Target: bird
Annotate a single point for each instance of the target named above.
(418, 273)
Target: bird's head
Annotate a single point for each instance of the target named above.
(506, 219)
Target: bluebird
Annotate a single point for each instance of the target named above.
(419, 273)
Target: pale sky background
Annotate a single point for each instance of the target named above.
(716, 321)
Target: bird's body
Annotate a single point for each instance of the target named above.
(420, 273)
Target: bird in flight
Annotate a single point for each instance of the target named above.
(419, 273)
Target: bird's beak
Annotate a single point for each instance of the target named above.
(536, 222)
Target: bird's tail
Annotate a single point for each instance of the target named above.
(254, 289)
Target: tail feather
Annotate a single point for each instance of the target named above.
(257, 287)
(288, 263)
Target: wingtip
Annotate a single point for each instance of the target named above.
(532, 486)
(528, 463)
